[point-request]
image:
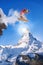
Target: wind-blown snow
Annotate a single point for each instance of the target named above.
(11, 18)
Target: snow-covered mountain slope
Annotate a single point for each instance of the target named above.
(27, 44)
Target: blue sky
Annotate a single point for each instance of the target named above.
(10, 35)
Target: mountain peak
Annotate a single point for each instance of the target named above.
(28, 41)
(26, 37)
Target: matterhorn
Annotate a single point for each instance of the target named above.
(27, 45)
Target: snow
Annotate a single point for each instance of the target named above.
(27, 44)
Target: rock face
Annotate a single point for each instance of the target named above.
(28, 60)
(2, 24)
